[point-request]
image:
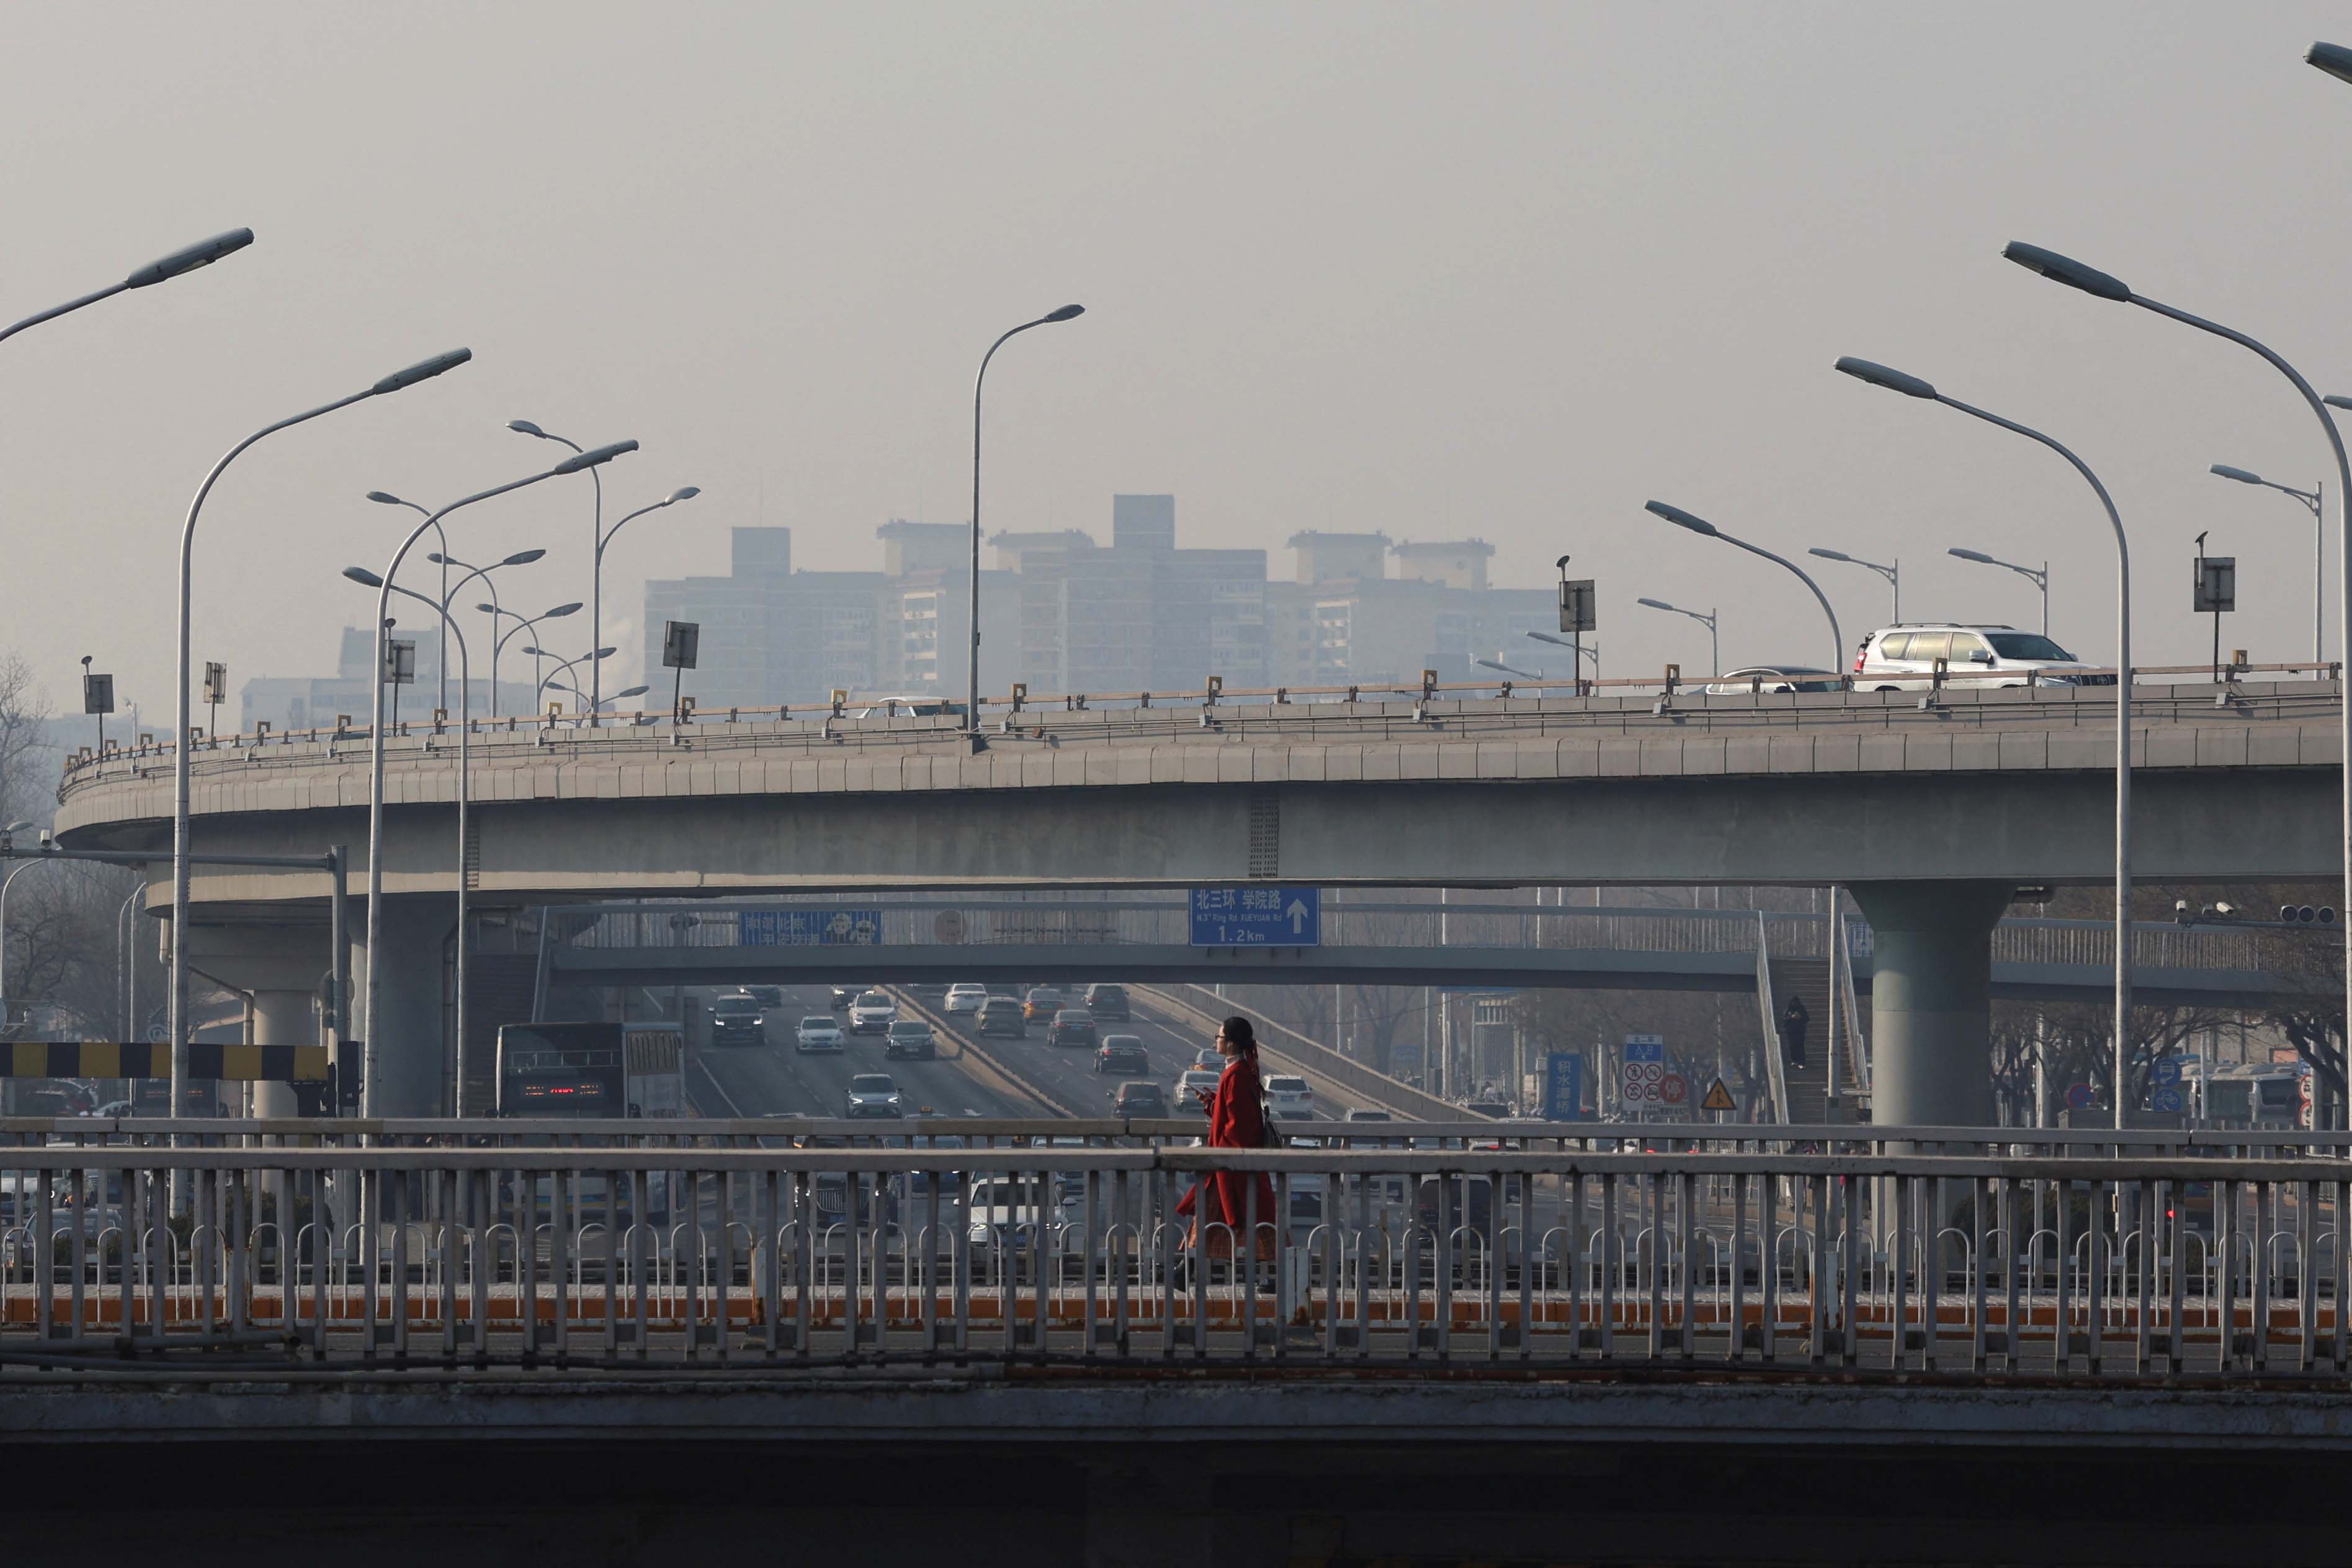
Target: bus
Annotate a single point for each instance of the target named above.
(589, 1071)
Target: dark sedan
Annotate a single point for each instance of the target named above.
(1122, 1053)
(1072, 1026)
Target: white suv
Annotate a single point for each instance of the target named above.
(1903, 658)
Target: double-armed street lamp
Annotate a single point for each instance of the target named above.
(1707, 620)
(2104, 286)
(596, 656)
(180, 262)
(521, 624)
(2040, 579)
(596, 586)
(1912, 386)
(1067, 313)
(424, 370)
(373, 1048)
(449, 591)
(1892, 571)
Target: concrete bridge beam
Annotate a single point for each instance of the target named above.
(1931, 1000)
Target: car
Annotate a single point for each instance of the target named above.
(1750, 678)
(909, 1037)
(766, 996)
(842, 996)
(1122, 1053)
(1072, 1026)
(1140, 1099)
(1194, 1089)
(1366, 1113)
(873, 1094)
(966, 996)
(817, 1031)
(1287, 1092)
(1004, 1015)
(871, 1013)
(1002, 1211)
(1903, 658)
(117, 1108)
(737, 1019)
(1108, 1003)
(1207, 1060)
(1042, 1003)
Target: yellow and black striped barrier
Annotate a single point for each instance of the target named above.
(139, 1058)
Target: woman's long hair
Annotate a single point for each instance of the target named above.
(1244, 1038)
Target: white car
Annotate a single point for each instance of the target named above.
(871, 1013)
(818, 1032)
(873, 1095)
(1193, 1090)
(1288, 1092)
(1903, 658)
(965, 997)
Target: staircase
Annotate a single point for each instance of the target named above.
(498, 988)
(1809, 1089)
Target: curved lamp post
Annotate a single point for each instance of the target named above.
(596, 533)
(1682, 519)
(619, 696)
(187, 259)
(1912, 386)
(1713, 649)
(1892, 572)
(424, 370)
(2312, 503)
(367, 579)
(2041, 580)
(596, 588)
(1067, 313)
(1584, 650)
(2099, 285)
(523, 624)
(600, 655)
(373, 1046)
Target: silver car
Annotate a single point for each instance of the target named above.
(1903, 659)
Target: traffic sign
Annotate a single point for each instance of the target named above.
(2079, 1097)
(1718, 1098)
(1644, 1069)
(1674, 1089)
(2165, 1072)
(808, 927)
(2168, 1099)
(1258, 916)
(1563, 1098)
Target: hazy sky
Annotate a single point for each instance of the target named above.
(1501, 270)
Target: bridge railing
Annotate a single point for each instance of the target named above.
(2159, 1267)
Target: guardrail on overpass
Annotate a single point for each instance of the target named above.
(2157, 1265)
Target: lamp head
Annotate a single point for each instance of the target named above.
(437, 559)
(423, 371)
(1681, 518)
(1562, 564)
(1655, 603)
(1977, 556)
(487, 609)
(606, 653)
(2333, 58)
(2065, 269)
(571, 609)
(1065, 313)
(683, 492)
(1830, 554)
(386, 498)
(2239, 474)
(363, 577)
(539, 652)
(2337, 400)
(525, 427)
(1879, 375)
(523, 558)
(204, 253)
(594, 457)
(632, 692)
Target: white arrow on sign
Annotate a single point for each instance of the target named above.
(1298, 913)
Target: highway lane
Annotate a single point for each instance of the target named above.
(776, 1078)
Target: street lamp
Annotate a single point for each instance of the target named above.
(2333, 58)
(374, 1047)
(2313, 502)
(600, 655)
(1912, 386)
(1713, 649)
(1892, 572)
(1682, 519)
(596, 588)
(1496, 664)
(1067, 313)
(1582, 649)
(523, 624)
(616, 698)
(5, 882)
(424, 370)
(449, 595)
(2040, 579)
(2100, 284)
(367, 579)
(204, 253)
(595, 594)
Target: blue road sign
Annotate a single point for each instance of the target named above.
(1563, 1098)
(1645, 1048)
(808, 927)
(1258, 916)
(2168, 1098)
(2165, 1072)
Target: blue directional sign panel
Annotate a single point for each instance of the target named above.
(2165, 1072)
(1258, 916)
(2169, 1100)
(808, 927)
(1563, 1098)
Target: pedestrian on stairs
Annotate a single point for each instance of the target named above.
(1793, 1020)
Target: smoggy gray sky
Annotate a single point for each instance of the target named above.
(1502, 270)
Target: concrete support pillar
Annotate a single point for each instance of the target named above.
(281, 1018)
(411, 1045)
(1930, 999)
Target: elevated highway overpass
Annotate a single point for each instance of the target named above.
(1931, 808)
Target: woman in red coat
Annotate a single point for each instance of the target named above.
(1236, 1121)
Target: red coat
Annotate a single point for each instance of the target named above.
(1235, 1122)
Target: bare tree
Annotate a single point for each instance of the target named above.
(26, 775)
